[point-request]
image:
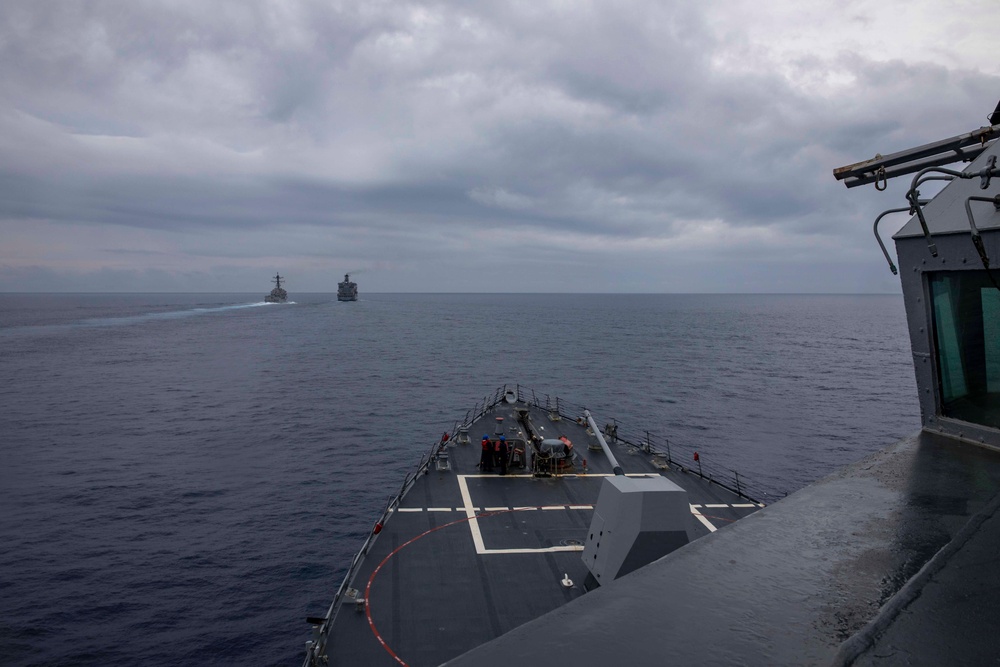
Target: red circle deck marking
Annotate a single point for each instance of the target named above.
(368, 605)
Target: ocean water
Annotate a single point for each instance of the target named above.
(184, 478)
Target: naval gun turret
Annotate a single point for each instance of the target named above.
(635, 522)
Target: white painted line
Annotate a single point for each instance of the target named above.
(581, 507)
(411, 509)
(477, 535)
(555, 507)
(718, 505)
(696, 506)
(568, 475)
(495, 476)
(544, 550)
(470, 513)
(706, 522)
(438, 509)
(744, 505)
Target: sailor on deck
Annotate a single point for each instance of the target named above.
(486, 458)
(501, 454)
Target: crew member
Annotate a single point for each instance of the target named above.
(501, 454)
(486, 458)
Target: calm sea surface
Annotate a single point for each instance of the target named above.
(185, 477)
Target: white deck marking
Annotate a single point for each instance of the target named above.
(477, 535)
(507, 509)
(543, 550)
(568, 475)
(470, 513)
(744, 505)
(698, 515)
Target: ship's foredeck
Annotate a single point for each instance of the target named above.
(468, 555)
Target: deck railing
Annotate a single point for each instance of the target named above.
(675, 454)
(317, 646)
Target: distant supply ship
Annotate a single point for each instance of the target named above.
(277, 295)
(347, 291)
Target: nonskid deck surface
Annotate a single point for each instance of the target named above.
(468, 556)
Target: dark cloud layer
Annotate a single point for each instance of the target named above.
(643, 146)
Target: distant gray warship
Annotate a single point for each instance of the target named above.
(523, 549)
(278, 294)
(347, 291)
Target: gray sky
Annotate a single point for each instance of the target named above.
(511, 146)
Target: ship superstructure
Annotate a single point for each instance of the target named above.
(278, 294)
(347, 290)
(949, 256)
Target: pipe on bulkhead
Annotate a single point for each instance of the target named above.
(892, 267)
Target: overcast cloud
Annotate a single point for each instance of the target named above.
(633, 146)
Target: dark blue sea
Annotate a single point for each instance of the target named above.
(185, 477)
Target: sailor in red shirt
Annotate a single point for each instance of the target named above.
(486, 458)
(500, 451)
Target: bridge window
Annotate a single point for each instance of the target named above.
(966, 311)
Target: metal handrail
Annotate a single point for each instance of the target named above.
(316, 647)
(727, 478)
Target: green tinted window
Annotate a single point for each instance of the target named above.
(966, 309)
